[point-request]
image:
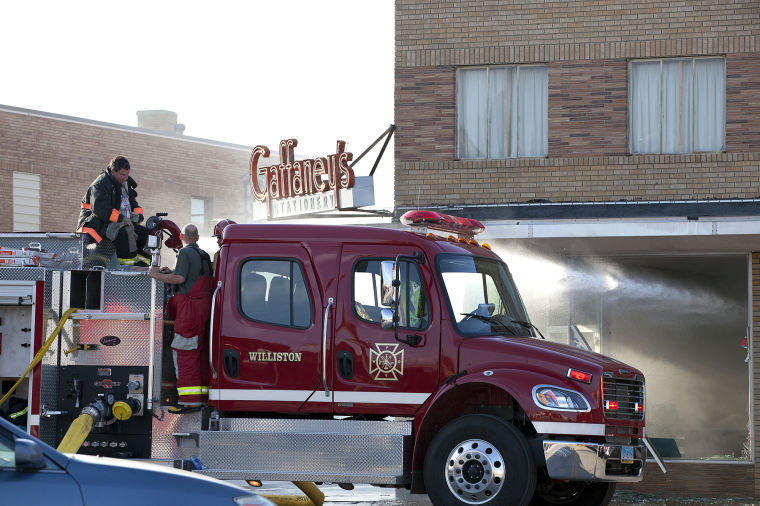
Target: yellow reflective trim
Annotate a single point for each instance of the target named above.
(19, 413)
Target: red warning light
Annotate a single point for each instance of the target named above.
(579, 375)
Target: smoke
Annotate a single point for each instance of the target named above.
(682, 320)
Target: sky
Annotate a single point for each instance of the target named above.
(247, 72)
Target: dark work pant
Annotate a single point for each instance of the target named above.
(123, 252)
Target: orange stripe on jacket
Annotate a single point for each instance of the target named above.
(114, 215)
(137, 210)
(85, 205)
(93, 234)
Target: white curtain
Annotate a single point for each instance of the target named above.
(645, 107)
(710, 105)
(678, 106)
(498, 113)
(472, 114)
(515, 112)
(533, 115)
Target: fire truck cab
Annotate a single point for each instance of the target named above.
(348, 355)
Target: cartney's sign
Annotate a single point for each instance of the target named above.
(297, 187)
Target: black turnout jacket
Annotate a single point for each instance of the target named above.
(101, 204)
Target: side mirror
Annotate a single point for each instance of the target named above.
(389, 294)
(387, 317)
(28, 454)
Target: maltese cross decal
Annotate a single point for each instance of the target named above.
(386, 362)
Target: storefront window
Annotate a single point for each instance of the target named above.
(682, 320)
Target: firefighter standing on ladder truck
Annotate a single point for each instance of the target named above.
(190, 308)
(110, 210)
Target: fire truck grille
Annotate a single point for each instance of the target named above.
(623, 398)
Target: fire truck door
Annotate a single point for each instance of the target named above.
(374, 373)
(269, 346)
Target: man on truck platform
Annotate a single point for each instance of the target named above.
(190, 308)
(110, 210)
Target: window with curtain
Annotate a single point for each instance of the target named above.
(502, 112)
(677, 105)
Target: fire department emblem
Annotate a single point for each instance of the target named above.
(386, 362)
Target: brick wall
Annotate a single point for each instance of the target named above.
(438, 25)
(425, 113)
(588, 108)
(587, 179)
(743, 102)
(588, 131)
(689, 479)
(69, 155)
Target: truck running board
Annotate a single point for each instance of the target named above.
(337, 451)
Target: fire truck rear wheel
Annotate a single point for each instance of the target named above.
(479, 459)
(568, 493)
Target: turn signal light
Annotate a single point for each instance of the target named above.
(579, 375)
(611, 405)
(638, 407)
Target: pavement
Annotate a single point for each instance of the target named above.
(377, 496)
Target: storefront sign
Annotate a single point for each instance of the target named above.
(295, 187)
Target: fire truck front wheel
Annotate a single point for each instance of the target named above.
(479, 459)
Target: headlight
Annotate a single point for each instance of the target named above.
(252, 500)
(550, 397)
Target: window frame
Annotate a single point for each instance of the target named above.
(291, 260)
(488, 69)
(202, 227)
(21, 184)
(381, 259)
(661, 61)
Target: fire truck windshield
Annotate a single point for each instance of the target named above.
(482, 297)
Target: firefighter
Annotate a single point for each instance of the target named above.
(110, 211)
(218, 229)
(190, 308)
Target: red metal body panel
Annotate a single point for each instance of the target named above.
(295, 380)
(415, 369)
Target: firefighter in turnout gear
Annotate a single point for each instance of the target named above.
(218, 230)
(190, 308)
(110, 211)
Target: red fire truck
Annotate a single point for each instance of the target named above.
(337, 354)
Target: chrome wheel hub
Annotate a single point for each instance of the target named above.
(475, 471)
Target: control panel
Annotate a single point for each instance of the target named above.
(118, 394)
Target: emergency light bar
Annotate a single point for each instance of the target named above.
(443, 222)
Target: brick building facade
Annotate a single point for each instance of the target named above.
(590, 194)
(68, 154)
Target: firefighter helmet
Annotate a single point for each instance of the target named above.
(219, 227)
